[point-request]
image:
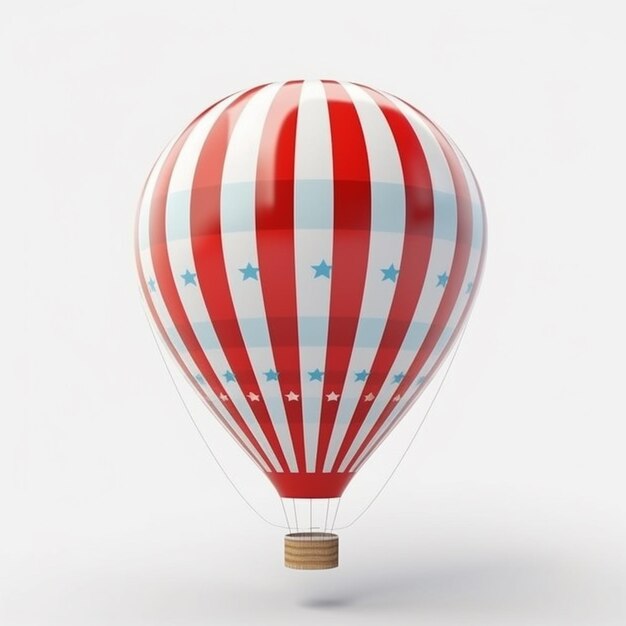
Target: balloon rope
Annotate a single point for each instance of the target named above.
(295, 513)
(327, 509)
(206, 443)
(238, 491)
(335, 517)
(419, 427)
(285, 512)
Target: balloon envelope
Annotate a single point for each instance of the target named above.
(308, 252)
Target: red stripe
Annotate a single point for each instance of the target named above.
(351, 235)
(167, 285)
(466, 311)
(208, 254)
(276, 255)
(418, 238)
(356, 465)
(174, 352)
(453, 287)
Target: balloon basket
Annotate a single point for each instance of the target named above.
(313, 550)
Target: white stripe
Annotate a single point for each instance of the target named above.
(143, 226)
(385, 250)
(163, 315)
(313, 142)
(444, 342)
(478, 210)
(240, 248)
(440, 261)
(472, 264)
(178, 235)
(313, 194)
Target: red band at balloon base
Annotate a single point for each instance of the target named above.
(310, 485)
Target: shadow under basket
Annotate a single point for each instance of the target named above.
(311, 550)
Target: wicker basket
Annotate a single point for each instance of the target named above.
(311, 550)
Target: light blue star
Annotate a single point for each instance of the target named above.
(362, 375)
(200, 379)
(271, 375)
(316, 375)
(470, 286)
(152, 284)
(189, 278)
(442, 279)
(229, 376)
(398, 377)
(420, 380)
(322, 269)
(391, 273)
(249, 271)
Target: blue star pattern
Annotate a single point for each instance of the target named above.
(362, 375)
(152, 285)
(249, 271)
(318, 375)
(442, 279)
(315, 375)
(189, 278)
(391, 273)
(322, 269)
(397, 378)
(271, 375)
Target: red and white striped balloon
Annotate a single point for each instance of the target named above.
(309, 251)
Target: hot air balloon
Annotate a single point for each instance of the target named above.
(309, 251)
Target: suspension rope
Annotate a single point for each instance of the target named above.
(335, 517)
(419, 427)
(295, 514)
(239, 492)
(195, 424)
(326, 518)
(285, 512)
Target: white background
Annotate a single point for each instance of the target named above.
(509, 510)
